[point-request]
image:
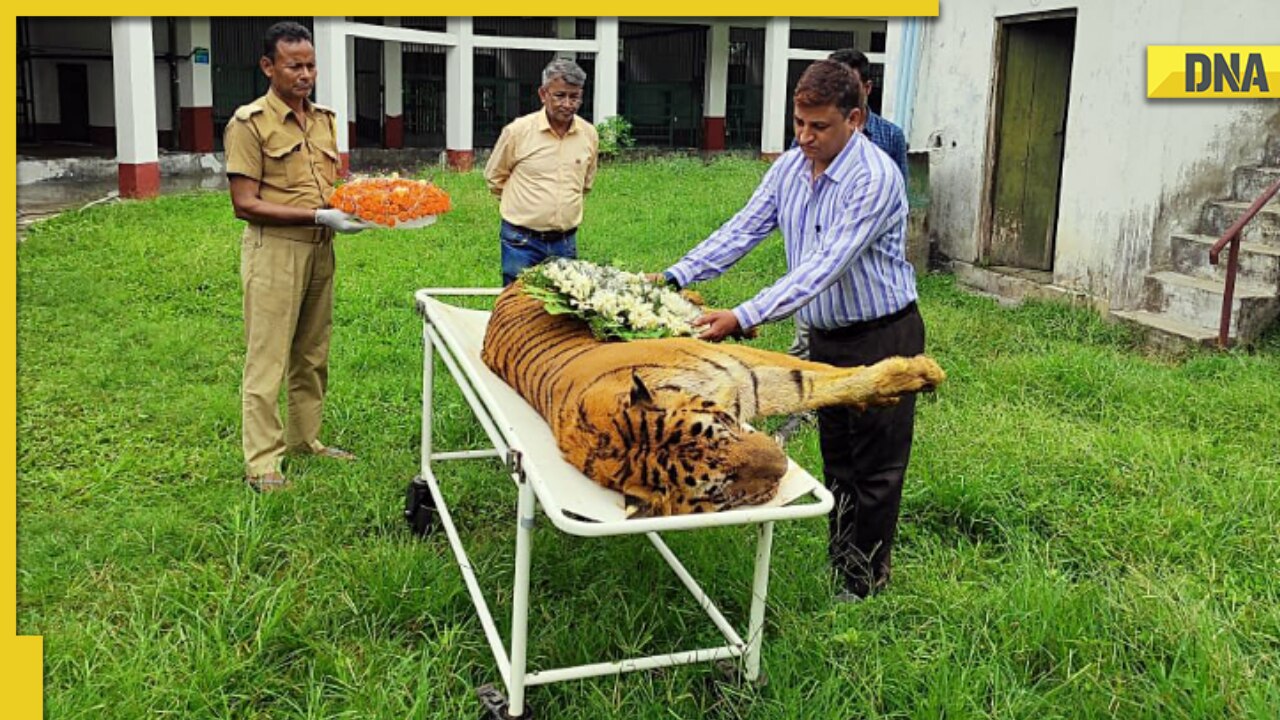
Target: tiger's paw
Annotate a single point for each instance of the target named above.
(898, 376)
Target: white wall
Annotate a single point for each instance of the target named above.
(1134, 169)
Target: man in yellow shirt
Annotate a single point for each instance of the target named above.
(282, 159)
(543, 165)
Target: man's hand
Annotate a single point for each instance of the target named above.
(717, 325)
(340, 221)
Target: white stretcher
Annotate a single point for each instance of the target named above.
(573, 504)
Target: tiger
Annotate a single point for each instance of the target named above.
(662, 421)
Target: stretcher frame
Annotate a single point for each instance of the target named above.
(543, 479)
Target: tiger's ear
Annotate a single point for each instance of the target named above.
(640, 396)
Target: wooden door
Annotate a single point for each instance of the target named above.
(1035, 77)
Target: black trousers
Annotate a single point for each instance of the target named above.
(865, 454)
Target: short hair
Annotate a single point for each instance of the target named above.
(288, 31)
(855, 60)
(827, 82)
(566, 69)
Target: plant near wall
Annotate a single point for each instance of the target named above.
(615, 136)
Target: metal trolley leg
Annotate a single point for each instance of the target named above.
(520, 598)
(759, 593)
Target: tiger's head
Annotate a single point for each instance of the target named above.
(686, 454)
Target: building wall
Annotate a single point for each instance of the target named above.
(87, 41)
(1134, 169)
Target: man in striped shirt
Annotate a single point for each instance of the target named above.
(841, 206)
(886, 136)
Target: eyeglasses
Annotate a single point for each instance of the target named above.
(563, 98)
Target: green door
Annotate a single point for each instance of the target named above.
(1035, 78)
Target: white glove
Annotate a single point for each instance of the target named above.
(340, 221)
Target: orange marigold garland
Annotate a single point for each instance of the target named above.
(391, 201)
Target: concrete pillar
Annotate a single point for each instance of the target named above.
(716, 90)
(777, 41)
(195, 85)
(393, 91)
(133, 75)
(459, 75)
(606, 89)
(567, 29)
(331, 79)
(352, 102)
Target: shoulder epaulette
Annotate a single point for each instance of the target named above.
(324, 108)
(244, 112)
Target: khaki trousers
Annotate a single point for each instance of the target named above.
(287, 277)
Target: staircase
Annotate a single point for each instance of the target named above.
(1184, 304)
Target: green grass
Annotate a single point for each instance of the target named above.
(1087, 531)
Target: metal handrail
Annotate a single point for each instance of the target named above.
(1232, 235)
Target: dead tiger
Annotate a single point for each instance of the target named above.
(661, 421)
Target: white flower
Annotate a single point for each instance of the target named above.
(625, 300)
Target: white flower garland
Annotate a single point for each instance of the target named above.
(616, 303)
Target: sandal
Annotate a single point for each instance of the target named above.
(267, 482)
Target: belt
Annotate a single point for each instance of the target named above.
(545, 235)
(300, 233)
(864, 326)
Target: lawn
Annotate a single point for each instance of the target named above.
(1087, 530)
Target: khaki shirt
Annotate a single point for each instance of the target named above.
(540, 176)
(292, 166)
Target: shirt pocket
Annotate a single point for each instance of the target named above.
(582, 165)
(284, 160)
(327, 163)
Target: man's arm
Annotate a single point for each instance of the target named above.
(899, 153)
(592, 163)
(251, 208)
(501, 160)
(724, 247)
(872, 205)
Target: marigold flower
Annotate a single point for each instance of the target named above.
(389, 201)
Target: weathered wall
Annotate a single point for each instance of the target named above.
(1134, 169)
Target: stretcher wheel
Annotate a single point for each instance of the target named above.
(496, 705)
(419, 508)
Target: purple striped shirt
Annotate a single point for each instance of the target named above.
(844, 235)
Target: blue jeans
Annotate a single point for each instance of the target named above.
(521, 250)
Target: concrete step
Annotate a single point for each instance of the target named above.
(1264, 228)
(1249, 182)
(1167, 332)
(1272, 154)
(1259, 264)
(1198, 301)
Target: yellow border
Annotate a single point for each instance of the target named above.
(21, 657)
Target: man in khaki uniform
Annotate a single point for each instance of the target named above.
(282, 160)
(541, 167)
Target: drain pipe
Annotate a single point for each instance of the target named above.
(906, 85)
